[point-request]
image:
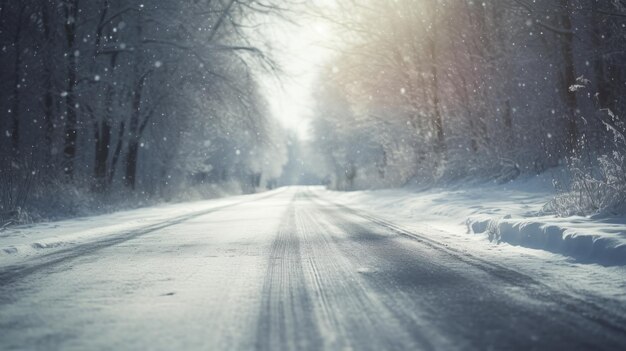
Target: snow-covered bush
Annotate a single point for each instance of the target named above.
(598, 183)
(597, 188)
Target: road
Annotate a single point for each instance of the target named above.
(288, 271)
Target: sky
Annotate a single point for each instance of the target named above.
(299, 50)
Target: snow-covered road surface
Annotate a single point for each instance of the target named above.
(289, 270)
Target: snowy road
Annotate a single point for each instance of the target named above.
(288, 270)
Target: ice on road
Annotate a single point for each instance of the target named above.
(288, 270)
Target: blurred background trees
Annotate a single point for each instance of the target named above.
(107, 98)
(441, 90)
(107, 101)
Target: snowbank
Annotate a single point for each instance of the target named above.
(510, 213)
(578, 237)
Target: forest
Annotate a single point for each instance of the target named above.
(313, 175)
(440, 91)
(122, 101)
(109, 103)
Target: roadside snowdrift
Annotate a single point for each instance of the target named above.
(510, 213)
(587, 240)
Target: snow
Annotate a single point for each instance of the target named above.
(21, 243)
(510, 213)
(505, 224)
(193, 286)
(289, 269)
(500, 222)
(588, 240)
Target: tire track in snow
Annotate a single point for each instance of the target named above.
(286, 320)
(357, 316)
(13, 273)
(576, 312)
(315, 297)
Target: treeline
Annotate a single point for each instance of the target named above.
(106, 99)
(441, 90)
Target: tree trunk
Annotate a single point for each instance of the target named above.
(71, 121)
(131, 163)
(15, 106)
(103, 143)
(602, 86)
(569, 75)
(134, 133)
(71, 130)
(48, 101)
(440, 143)
(103, 140)
(130, 177)
(48, 113)
(116, 154)
(103, 128)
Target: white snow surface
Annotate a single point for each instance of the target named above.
(293, 269)
(500, 222)
(513, 210)
(25, 242)
(502, 213)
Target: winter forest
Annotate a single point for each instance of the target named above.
(108, 103)
(444, 91)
